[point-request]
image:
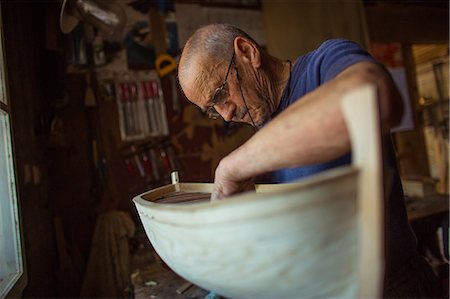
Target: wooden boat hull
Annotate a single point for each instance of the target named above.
(276, 244)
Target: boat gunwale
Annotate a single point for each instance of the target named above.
(278, 189)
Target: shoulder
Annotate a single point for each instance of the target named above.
(335, 55)
(340, 46)
(337, 42)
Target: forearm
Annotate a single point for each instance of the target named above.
(312, 130)
(308, 132)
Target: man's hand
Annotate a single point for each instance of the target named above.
(226, 183)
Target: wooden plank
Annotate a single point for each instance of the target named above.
(418, 208)
(304, 25)
(360, 109)
(184, 287)
(158, 192)
(410, 145)
(183, 197)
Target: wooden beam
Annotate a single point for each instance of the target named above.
(407, 24)
(410, 145)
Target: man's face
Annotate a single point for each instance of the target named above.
(220, 92)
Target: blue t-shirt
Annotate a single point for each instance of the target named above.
(309, 72)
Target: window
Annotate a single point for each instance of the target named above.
(12, 278)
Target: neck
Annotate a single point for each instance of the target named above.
(281, 70)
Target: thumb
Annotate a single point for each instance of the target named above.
(216, 194)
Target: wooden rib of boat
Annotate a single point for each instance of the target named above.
(316, 238)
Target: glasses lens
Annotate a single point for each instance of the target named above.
(212, 113)
(219, 97)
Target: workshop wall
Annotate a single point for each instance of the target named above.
(23, 27)
(306, 24)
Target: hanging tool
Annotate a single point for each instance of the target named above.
(146, 88)
(165, 64)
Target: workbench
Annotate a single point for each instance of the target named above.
(419, 208)
(427, 215)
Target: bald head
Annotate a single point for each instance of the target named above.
(251, 91)
(208, 48)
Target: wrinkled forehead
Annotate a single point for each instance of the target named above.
(198, 79)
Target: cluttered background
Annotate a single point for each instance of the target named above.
(98, 117)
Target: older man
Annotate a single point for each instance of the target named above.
(296, 108)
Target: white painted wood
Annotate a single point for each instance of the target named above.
(300, 240)
(360, 110)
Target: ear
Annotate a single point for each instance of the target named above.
(247, 52)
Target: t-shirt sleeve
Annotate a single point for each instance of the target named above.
(335, 55)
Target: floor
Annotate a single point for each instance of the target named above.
(152, 278)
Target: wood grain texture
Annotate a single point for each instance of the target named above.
(295, 27)
(299, 240)
(366, 154)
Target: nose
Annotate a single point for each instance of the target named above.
(226, 110)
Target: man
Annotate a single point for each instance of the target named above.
(301, 127)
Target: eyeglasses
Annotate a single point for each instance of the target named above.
(219, 95)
